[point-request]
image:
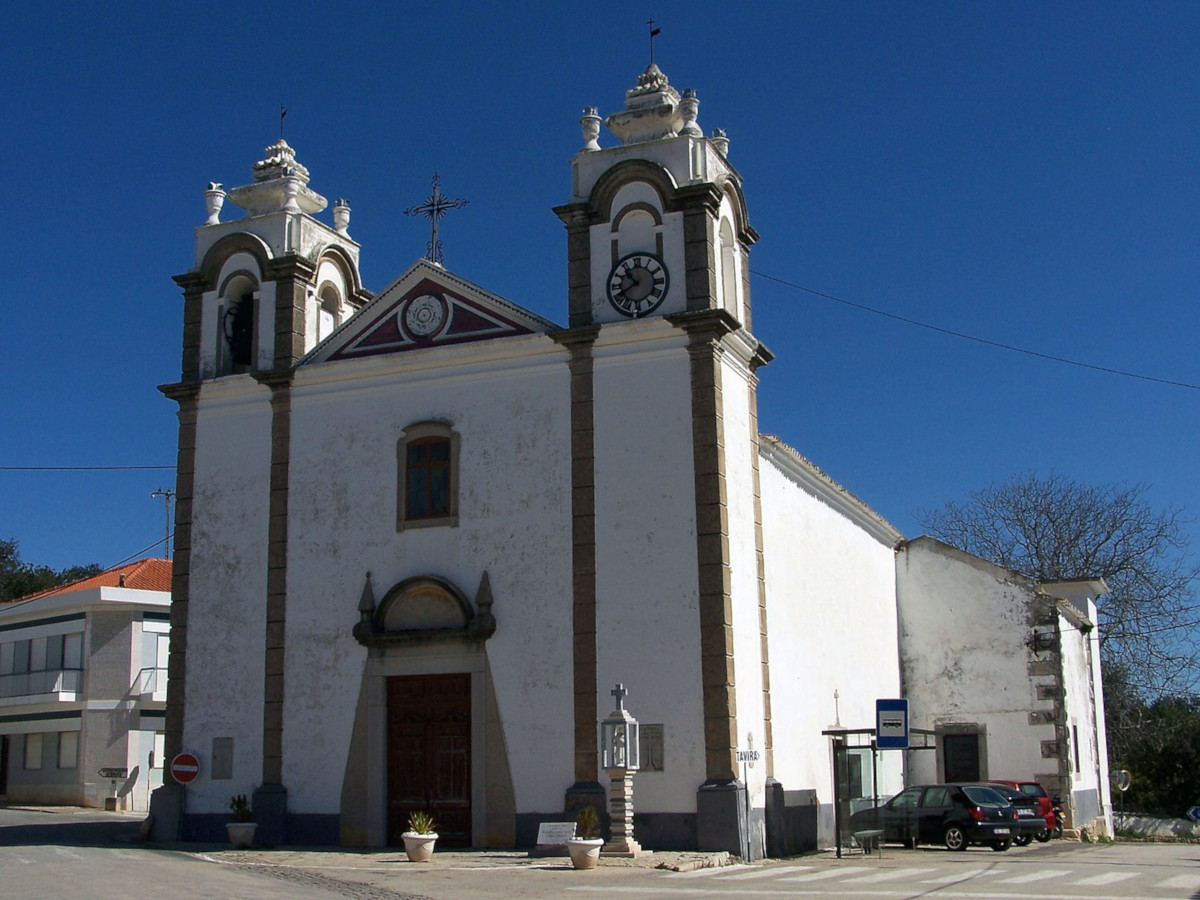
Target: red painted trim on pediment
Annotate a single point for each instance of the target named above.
(430, 315)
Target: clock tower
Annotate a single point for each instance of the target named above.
(664, 428)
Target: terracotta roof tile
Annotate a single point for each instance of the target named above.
(153, 574)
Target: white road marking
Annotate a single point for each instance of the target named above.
(886, 875)
(766, 872)
(1041, 875)
(1108, 878)
(959, 876)
(1191, 882)
(710, 871)
(818, 876)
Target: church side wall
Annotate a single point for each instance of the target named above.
(227, 612)
(647, 583)
(831, 608)
(513, 418)
(1082, 738)
(964, 632)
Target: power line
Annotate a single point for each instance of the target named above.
(978, 340)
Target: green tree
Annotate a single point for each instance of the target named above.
(1055, 529)
(20, 579)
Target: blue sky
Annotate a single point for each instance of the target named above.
(1024, 172)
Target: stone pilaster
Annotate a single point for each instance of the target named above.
(194, 285)
(587, 788)
(277, 535)
(293, 276)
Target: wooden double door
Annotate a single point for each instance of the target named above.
(429, 755)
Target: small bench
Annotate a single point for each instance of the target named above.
(870, 839)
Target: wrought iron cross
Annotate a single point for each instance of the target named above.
(653, 31)
(433, 209)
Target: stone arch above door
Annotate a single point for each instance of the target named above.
(424, 608)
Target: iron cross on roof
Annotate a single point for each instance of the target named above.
(433, 209)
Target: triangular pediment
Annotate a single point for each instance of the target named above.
(423, 308)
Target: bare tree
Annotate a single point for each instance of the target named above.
(1054, 529)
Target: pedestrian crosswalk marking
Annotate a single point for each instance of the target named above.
(710, 871)
(765, 872)
(1108, 878)
(887, 875)
(958, 876)
(1182, 881)
(1040, 875)
(818, 876)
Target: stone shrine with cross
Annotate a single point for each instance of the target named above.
(543, 509)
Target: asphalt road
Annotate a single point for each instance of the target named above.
(74, 854)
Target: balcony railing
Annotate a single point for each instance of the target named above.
(152, 681)
(50, 681)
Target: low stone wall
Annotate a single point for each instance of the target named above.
(1151, 827)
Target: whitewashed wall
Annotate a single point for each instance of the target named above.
(831, 621)
(227, 606)
(964, 629)
(647, 585)
(510, 405)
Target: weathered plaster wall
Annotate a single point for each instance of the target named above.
(1083, 750)
(831, 608)
(227, 609)
(965, 627)
(510, 407)
(648, 626)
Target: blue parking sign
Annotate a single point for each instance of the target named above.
(891, 724)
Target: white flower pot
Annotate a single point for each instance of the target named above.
(584, 852)
(241, 834)
(419, 847)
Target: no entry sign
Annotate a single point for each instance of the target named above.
(185, 767)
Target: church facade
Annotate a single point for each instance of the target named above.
(421, 535)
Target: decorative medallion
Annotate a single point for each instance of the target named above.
(424, 316)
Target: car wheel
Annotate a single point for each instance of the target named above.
(1001, 846)
(954, 838)
(1043, 835)
(1023, 840)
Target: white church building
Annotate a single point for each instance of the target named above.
(421, 534)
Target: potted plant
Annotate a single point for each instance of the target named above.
(584, 848)
(241, 829)
(420, 837)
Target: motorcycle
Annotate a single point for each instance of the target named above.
(1057, 806)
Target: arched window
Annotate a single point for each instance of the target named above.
(427, 489)
(328, 312)
(236, 331)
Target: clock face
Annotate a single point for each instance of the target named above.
(638, 284)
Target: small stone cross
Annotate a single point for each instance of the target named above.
(619, 693)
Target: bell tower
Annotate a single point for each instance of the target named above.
(666, 515)
(268, 287)
(656, 225)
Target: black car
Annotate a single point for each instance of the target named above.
(1030, 823)
(950, 814)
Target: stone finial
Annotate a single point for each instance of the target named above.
(651, 110)
(366, 602)
(214, 199)
(280, 185)
(591, 127)
(341, 216)
(689, 108)
(720, 141)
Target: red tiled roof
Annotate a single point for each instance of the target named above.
(152, 574)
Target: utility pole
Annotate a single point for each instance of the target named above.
(167, 496)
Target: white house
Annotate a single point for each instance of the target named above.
(1006, 671)
(420, 535)
(83, 689)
